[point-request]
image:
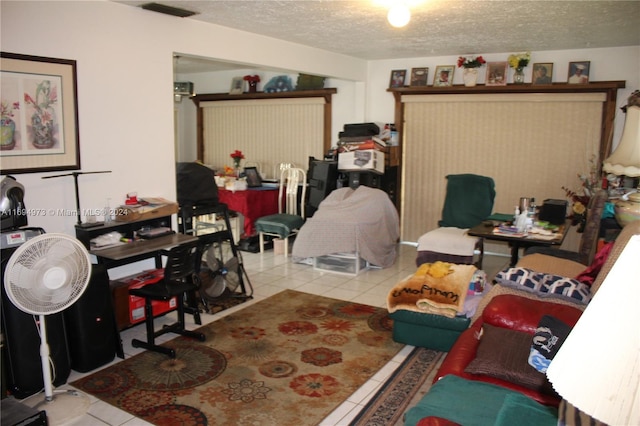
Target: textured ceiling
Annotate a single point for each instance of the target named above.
(437, 27)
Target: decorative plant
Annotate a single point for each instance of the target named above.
(519, 60)
(580, 199)
(237, 156)
(252, 78)
(6, 111)
(471, 62)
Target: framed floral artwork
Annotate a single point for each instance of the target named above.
(496, 73)
(397, 78)
(419, 76)
(542, 73)
(579, 72)
(443, 76)
(39, 114)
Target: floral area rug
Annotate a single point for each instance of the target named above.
(408, 384)
(290, 359)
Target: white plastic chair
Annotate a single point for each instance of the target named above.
(280, 167)
(285, 224)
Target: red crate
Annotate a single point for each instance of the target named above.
(130, 309)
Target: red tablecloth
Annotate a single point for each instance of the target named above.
(252, 204)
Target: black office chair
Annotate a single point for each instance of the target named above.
(180, 281)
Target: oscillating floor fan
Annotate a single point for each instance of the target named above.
(44, 276)
(224, 274)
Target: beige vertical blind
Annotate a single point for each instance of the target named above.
(269, 131)
(530, 144)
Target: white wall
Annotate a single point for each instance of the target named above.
(125, 82)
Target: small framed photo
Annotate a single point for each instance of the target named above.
(237, 86)
(253, 177)
(397, 78)
(579, 72)
(419, 76)
(443, 76)
(542, 73)
(497, 73)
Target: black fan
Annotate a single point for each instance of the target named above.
(224, 271)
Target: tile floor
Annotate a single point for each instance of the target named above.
(270, 274)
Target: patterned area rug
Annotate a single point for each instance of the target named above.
(290, 359)
(401, 391)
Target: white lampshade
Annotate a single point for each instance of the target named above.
(625, 160)
(597, 369)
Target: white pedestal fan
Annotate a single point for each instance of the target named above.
(44, 276)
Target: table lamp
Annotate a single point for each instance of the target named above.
(625, 160)
(597, 369)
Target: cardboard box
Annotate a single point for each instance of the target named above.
(156, 207)
(130, 309)
(361, 160)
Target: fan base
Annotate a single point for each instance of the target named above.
(66, 408)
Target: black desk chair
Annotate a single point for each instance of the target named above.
(180, 281)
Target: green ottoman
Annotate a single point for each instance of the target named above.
(427, 330)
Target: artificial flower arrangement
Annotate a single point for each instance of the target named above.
(237, 156)
(252, 78)
(589, 186)
(471, 62)
(519, 60)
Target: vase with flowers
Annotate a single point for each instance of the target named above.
(253, 81)
(7, 125)
(237, 156)
(470, 66)
(518, 62)
(43, 124)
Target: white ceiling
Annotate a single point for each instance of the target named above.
(437, 28)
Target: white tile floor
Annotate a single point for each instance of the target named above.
(270, 274)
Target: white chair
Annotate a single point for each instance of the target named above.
(280, 167)
(287, 223)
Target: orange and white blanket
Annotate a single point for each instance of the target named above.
(436, 288)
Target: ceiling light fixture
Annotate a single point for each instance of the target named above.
(399, 15)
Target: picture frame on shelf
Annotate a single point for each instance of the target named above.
(40, 121)
(496, 73)
(579, 72)
(419, 76)
(443, 76)
(237, 86)
(542, 73)
(397, 78)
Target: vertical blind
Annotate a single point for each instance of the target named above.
(530, 144)
(269, 132)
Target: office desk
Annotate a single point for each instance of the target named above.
(140, 250)
(252, 204)
(486, 231)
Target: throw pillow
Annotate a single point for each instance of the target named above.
(504, 354)
(545, 285)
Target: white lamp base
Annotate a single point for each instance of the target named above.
(66, 408)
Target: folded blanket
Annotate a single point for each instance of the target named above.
(436, 288)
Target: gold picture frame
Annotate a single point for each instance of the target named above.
(579, 72)
(542, 73)
(443, 77)
(39, 114)
(496, 73)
